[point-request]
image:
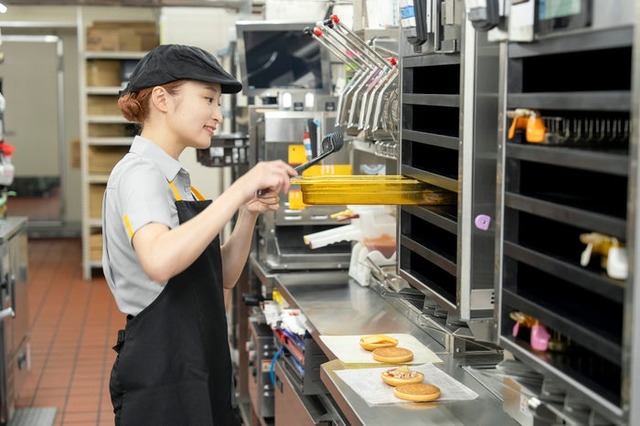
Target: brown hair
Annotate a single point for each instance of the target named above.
(135, 106)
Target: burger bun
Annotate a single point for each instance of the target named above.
(393, 355)
(401, 376)
(374, 341)
(417, 392)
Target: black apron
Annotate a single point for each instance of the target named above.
(173, 365)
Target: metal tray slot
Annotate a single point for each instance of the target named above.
(443, 120)
(569, 215)
(441, 79)
(586, 319)
(428, 274)
(433, 159)
(597, 282)
(615, 163)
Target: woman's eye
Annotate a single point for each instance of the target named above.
(209, 100)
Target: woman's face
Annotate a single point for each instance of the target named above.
(196, 113)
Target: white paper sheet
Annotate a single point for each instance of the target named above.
(367, 383)
(348, 350)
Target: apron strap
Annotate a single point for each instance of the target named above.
(197, 193)
(120, 341)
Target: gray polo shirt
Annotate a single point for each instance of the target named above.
(138, 193)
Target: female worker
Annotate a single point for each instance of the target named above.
(162, 256)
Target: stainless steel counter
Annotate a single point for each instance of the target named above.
(10, 225)
(334, 305)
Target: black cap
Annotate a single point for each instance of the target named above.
(171, 62)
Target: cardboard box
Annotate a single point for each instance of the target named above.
(96, 191)
(103, 105)
(136, 36)
(132, 40)
(103, 73)
(103, 158)
(102, 40)
(95, 247)
(108, 130)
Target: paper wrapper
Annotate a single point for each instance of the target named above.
(367, 383)
(348, 350)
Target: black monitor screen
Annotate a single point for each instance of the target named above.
(281, 58)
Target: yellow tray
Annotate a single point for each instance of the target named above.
(364, 189)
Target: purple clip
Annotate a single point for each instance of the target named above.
(483, 221)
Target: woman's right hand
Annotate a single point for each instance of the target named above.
(268, 177)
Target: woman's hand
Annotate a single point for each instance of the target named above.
(263, 203)
(266, 180)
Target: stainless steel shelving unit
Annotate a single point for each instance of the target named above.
(448, 139)
(551, 193)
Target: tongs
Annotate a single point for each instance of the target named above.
(331, 143)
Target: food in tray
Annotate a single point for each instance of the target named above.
(402, 375)
(417, 392)
(393, 355)
(374, 341)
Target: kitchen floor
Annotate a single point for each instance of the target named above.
(74, 324)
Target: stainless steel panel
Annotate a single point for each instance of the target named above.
(291, 408)
(333, 305)
(282, 126)
(477, 173)
(19, 259)
(608, 14)
(15, 350)
(262, 350)
(280, 244)
(339, 306)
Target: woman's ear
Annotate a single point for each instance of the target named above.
(160, 98)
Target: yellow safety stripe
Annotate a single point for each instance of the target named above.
(176, 194)
(127, 224)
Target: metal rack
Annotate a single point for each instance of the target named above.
(225, 150)
(448, 131)
(105, 136)
(550, 194)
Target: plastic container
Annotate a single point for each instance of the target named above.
(367, 190)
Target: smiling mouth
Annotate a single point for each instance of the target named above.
(211, 129)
